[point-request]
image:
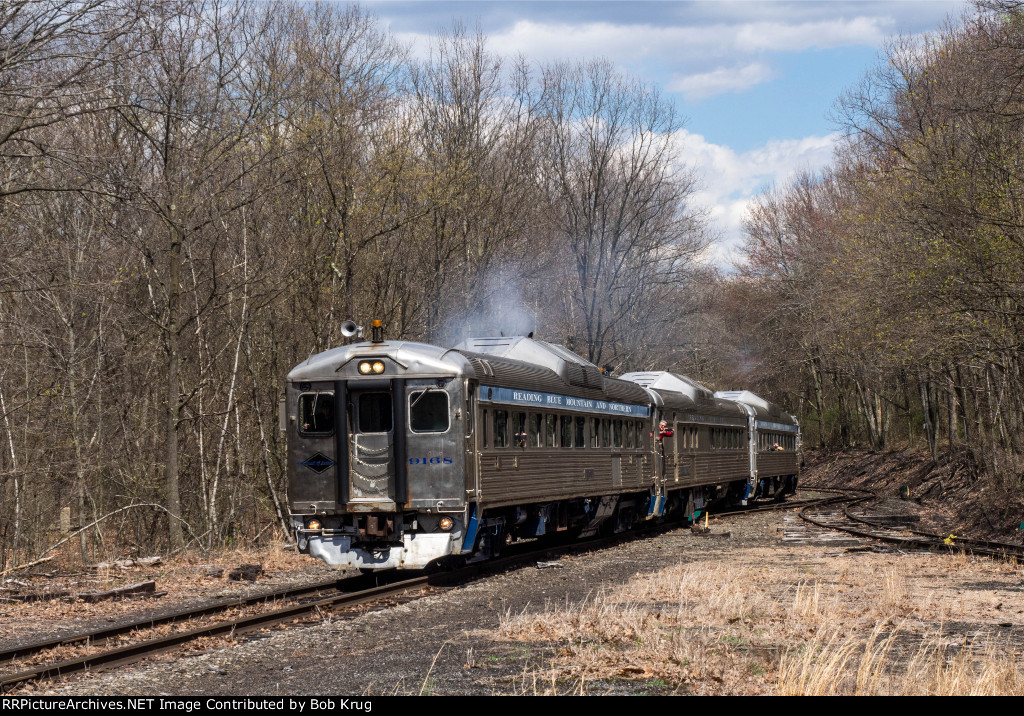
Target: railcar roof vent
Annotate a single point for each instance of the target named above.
(574, 369)
(663, 380)
(744, 396)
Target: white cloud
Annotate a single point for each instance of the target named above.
(625, 43)
(732, 180)
(806, 35)
(707, 84)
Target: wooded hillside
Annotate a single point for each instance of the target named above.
(883, 297)
(195, 195)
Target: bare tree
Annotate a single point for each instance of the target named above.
(57, 62)
(618, 198)
(187, 143)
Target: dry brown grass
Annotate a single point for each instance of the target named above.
(870, 624)
(678, 629)
(832, 664)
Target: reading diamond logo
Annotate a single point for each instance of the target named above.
(318, 463)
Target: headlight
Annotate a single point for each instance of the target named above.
(378, 366)
(313, 524)
(445, 523)
(365, 368)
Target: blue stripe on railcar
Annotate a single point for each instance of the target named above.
(537, 399)
(765, 425)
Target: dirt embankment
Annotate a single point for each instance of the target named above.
(959, 498)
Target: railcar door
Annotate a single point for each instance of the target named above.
(312, 456)
(435, 454)
(371, 485)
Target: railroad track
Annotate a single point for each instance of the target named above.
(309, 601)
(97, 637)
(139, 650)
(838, 513)
(776, 506)
(349, 593)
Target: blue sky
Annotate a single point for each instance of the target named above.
(755, 81)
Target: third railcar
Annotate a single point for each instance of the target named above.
(401, 454)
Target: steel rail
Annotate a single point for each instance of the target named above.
(134, 652)
(925, 540)
(98, 636)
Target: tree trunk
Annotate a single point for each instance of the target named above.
(172, 338)
(819, 402)
(929, 424)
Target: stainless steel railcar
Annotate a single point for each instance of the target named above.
(401, 454)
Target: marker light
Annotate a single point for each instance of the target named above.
(365, 367)
(378, 366)
(446, 523)
(313, 524)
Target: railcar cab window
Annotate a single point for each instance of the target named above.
(316, 413)
(429, 411)
(375, 413)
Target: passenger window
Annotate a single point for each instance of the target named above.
(375, 413)
(581, 432)
(566, 431)
(550, 426)
(606, 430)
(428, 411)
(316, 413)
(519, 430)
(500, 428)
(485, 428)
(627, 427)
(536, 440)
(639, 435)
(617, 433)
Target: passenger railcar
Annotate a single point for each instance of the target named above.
(402, 454)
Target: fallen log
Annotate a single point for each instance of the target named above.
(130, 590)
(26, 565)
